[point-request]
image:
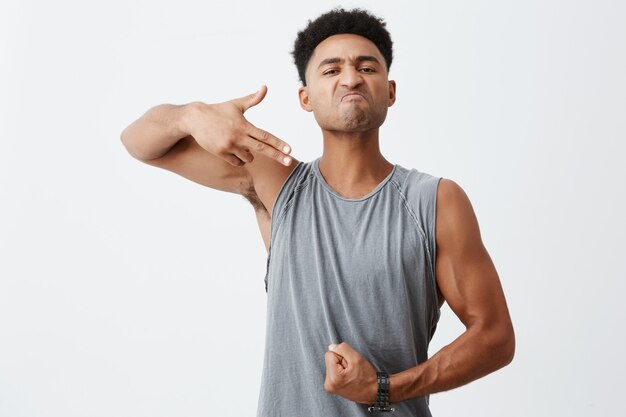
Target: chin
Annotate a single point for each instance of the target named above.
(355, 121)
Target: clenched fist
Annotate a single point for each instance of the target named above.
(349, 374)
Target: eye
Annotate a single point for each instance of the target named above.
(367, 69)
(330, 72)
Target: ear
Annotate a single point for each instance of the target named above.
(392, 92)
(303, 95)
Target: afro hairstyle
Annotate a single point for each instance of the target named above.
(337, 21)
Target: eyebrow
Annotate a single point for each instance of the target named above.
(336, 60)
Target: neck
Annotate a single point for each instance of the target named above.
(352, 163)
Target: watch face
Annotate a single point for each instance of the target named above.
(383, 408)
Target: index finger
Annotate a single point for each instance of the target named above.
(267, 137)
(339, 359)
(269, 145)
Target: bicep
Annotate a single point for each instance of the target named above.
(466, 275)
(268, 176)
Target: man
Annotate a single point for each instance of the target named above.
(362, 253)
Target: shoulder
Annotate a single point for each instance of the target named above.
(412, 179)
(450, 188)
(419, 189)
(456, 221)
(452, 199)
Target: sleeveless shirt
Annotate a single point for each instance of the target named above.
(359, 271)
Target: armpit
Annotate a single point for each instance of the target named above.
(249, 193)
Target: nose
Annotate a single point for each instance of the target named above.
(351, 78)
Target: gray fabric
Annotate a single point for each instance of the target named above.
(354, 270)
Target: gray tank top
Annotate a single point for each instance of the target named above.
(359, 271)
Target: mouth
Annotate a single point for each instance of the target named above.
(352, 94)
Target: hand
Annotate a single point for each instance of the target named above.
(222, 130)
(350, 375)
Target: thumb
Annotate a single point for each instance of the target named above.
(343, 352)
(245, 102)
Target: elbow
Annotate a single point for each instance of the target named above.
(504, 346)
(509, 350)
(126, 141)
(124, 137)
(498, 345)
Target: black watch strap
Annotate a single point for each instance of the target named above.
(382, 396)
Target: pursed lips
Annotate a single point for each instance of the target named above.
(352, 93)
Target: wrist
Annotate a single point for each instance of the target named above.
(373, 391)
(382, 402)
(184, 117)
(393, 393)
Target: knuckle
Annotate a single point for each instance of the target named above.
(197, 107)
(276, 155)
(260, 146)
(241, 126)
(221, 147)
(230, 142)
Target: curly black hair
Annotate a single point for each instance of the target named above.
(355, 21)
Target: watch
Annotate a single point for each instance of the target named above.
(382, 396)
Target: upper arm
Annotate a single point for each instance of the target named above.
(466, 275)
(268, 175)
(188, 159)
(259, 181)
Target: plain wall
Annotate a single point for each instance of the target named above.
(127, 290)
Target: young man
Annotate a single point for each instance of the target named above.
(362, 253)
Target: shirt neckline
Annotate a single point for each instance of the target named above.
(328, 188)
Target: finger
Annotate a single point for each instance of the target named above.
(245, 102)
(243, 154)
(341, 360)
(269, 139)
(267, 150)
(344, 349)
(344, 363)
(233, 160)
(333, 363)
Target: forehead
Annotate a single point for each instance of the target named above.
(345, 45)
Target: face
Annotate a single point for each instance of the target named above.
(347, 89)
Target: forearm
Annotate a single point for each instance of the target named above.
(156, 131)
(474, 354)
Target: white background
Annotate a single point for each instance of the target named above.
(127, 290)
